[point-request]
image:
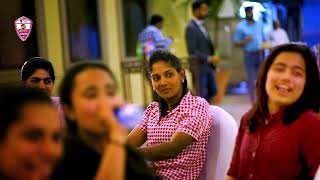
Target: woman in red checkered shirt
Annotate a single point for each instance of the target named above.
(175, 129)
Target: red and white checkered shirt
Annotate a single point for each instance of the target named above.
(192, 117)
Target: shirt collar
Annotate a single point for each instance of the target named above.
(198, 21)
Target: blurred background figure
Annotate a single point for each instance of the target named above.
(95, 146)
(201, 52)
(283, 125)
(175, 128)
(30, 134)
(249, 35)
(152, 38)
(38, 72)
(278, 35)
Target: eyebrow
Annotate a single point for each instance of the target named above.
(163, 73)
(294, 67)
(108, 86)
(39, 78)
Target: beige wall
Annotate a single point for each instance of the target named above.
(110, 37)
(53, 38)
(176, 16)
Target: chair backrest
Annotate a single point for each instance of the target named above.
(220, 146)
(317, 176)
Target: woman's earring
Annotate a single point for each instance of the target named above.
(182, 81)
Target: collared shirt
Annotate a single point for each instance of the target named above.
(277, 151)
(192, 117)
(153, 34)
(255, 30)
(277, 37)
(202, 28)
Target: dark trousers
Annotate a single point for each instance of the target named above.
(205, 83)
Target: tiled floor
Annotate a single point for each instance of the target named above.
(236, 105)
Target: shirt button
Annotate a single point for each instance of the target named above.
(253, 154)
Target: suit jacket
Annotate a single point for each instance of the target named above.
(199, 48)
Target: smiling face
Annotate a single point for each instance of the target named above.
(166, 81)
(91, 86)
(41, 79)
(32, 145)
(286, 80)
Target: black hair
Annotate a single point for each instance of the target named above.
(248, 8)
(67, 85)
(197, 4)
(35, 63)
(309, 99)
(13, 98)
(156, 18)
(163, 55)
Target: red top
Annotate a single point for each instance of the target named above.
(192, 117)
(278, 151)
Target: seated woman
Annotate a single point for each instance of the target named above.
(177, 127)
(95, 146)
(279, 137)
(30, 134)
(39, 73)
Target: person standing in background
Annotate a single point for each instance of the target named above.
(249, 35)
(201, 52)
(278, 36)
(152, 38)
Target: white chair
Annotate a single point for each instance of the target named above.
(317, 176)
(220, 146)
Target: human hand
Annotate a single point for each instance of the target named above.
(248, 38)
(108, 119)
(215, 59)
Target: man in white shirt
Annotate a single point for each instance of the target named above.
(278, 36)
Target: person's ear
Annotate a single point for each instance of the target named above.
(182, 74)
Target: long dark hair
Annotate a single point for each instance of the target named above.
(308, 100)
(162, 55)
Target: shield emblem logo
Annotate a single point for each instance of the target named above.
(23, 27)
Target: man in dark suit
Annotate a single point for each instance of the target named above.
(201, 53)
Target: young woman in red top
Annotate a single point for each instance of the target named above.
(279, 137)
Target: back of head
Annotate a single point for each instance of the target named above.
(276, 24)
(13, 99)
(156, 18)
(35, 63)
